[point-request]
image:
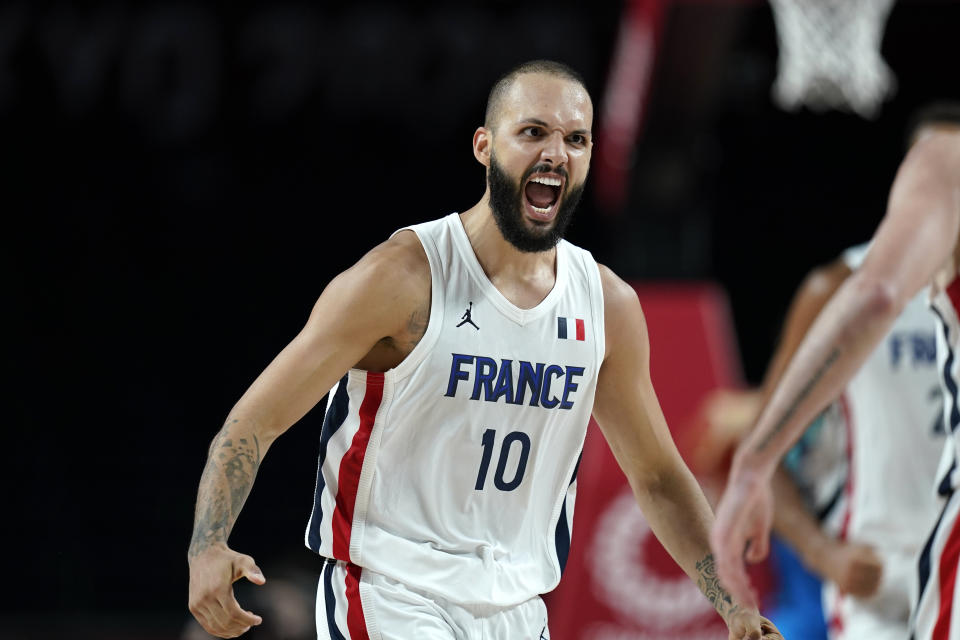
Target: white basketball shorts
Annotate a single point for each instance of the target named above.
(358, 604)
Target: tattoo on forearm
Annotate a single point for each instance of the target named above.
(232, 465)
(804, 392)
(709, 584)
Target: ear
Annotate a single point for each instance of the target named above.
(482, 139)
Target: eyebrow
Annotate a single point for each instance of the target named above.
(537, 121)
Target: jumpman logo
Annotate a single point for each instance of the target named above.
(465, 318)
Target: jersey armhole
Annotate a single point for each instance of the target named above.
(596, 303)
(435, 320)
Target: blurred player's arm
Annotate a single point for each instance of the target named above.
(629, 415)
(373, 301)
(729, 413)
(915, 239)
(855, 568)
(811, 296)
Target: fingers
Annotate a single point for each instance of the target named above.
(757, 549)
(770, 631)
(215, 621)
(747, 633)
(731, 571)
(759, 527)
(733, 577)
(746, 626)
(225, 618)
(857, 571)
(755, 628)
(862, 586)
(236, 616)
(870, 574)
(245, 567)
(212, 601)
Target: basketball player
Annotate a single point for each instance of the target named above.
(449, 451)
(914, 246)
(853, 495)
(873, 527)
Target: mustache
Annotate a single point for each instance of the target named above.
(544, 168)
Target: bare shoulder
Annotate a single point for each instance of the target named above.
(623, 318)
(618, 296)
(381, 290)
(384, 299)
(398, 261)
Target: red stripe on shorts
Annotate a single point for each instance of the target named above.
(356, 624)
(348, 477)
(948, 580)
(581, 331)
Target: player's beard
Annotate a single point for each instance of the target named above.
(506, 201)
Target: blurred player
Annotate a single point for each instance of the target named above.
(866, 543)
(463, 358)
(915, 246)
(853, 497)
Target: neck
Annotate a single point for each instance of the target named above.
(494, 253)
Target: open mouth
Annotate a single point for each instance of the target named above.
(542, 192)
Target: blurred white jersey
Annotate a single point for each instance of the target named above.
(892, 409)
(455, 472)
(935, 617)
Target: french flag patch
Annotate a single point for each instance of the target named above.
(567, 325)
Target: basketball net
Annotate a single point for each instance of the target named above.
(829, 55)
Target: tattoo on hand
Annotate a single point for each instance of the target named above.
(232, 465)
(709, 584)
(804, 392)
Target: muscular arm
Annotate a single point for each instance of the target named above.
(232, 462)
(793, 520)
(730, 413)
(916, 237)
(855, 568)
(629, 415)
(364, 316)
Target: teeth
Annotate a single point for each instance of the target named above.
(550, 182)
(541, 211)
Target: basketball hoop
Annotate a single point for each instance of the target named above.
(829, 55)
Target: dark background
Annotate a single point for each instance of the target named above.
(180, 181)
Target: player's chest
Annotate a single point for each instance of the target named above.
(484, 356)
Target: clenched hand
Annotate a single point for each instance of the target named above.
(212, 603)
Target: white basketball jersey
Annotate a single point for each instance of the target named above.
(455, 472)
(892, 413)
(893, 406)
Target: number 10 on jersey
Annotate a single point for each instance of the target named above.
(499, 476)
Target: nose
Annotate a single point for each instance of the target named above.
(554, 150)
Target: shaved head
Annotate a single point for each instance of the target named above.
(502, 86)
